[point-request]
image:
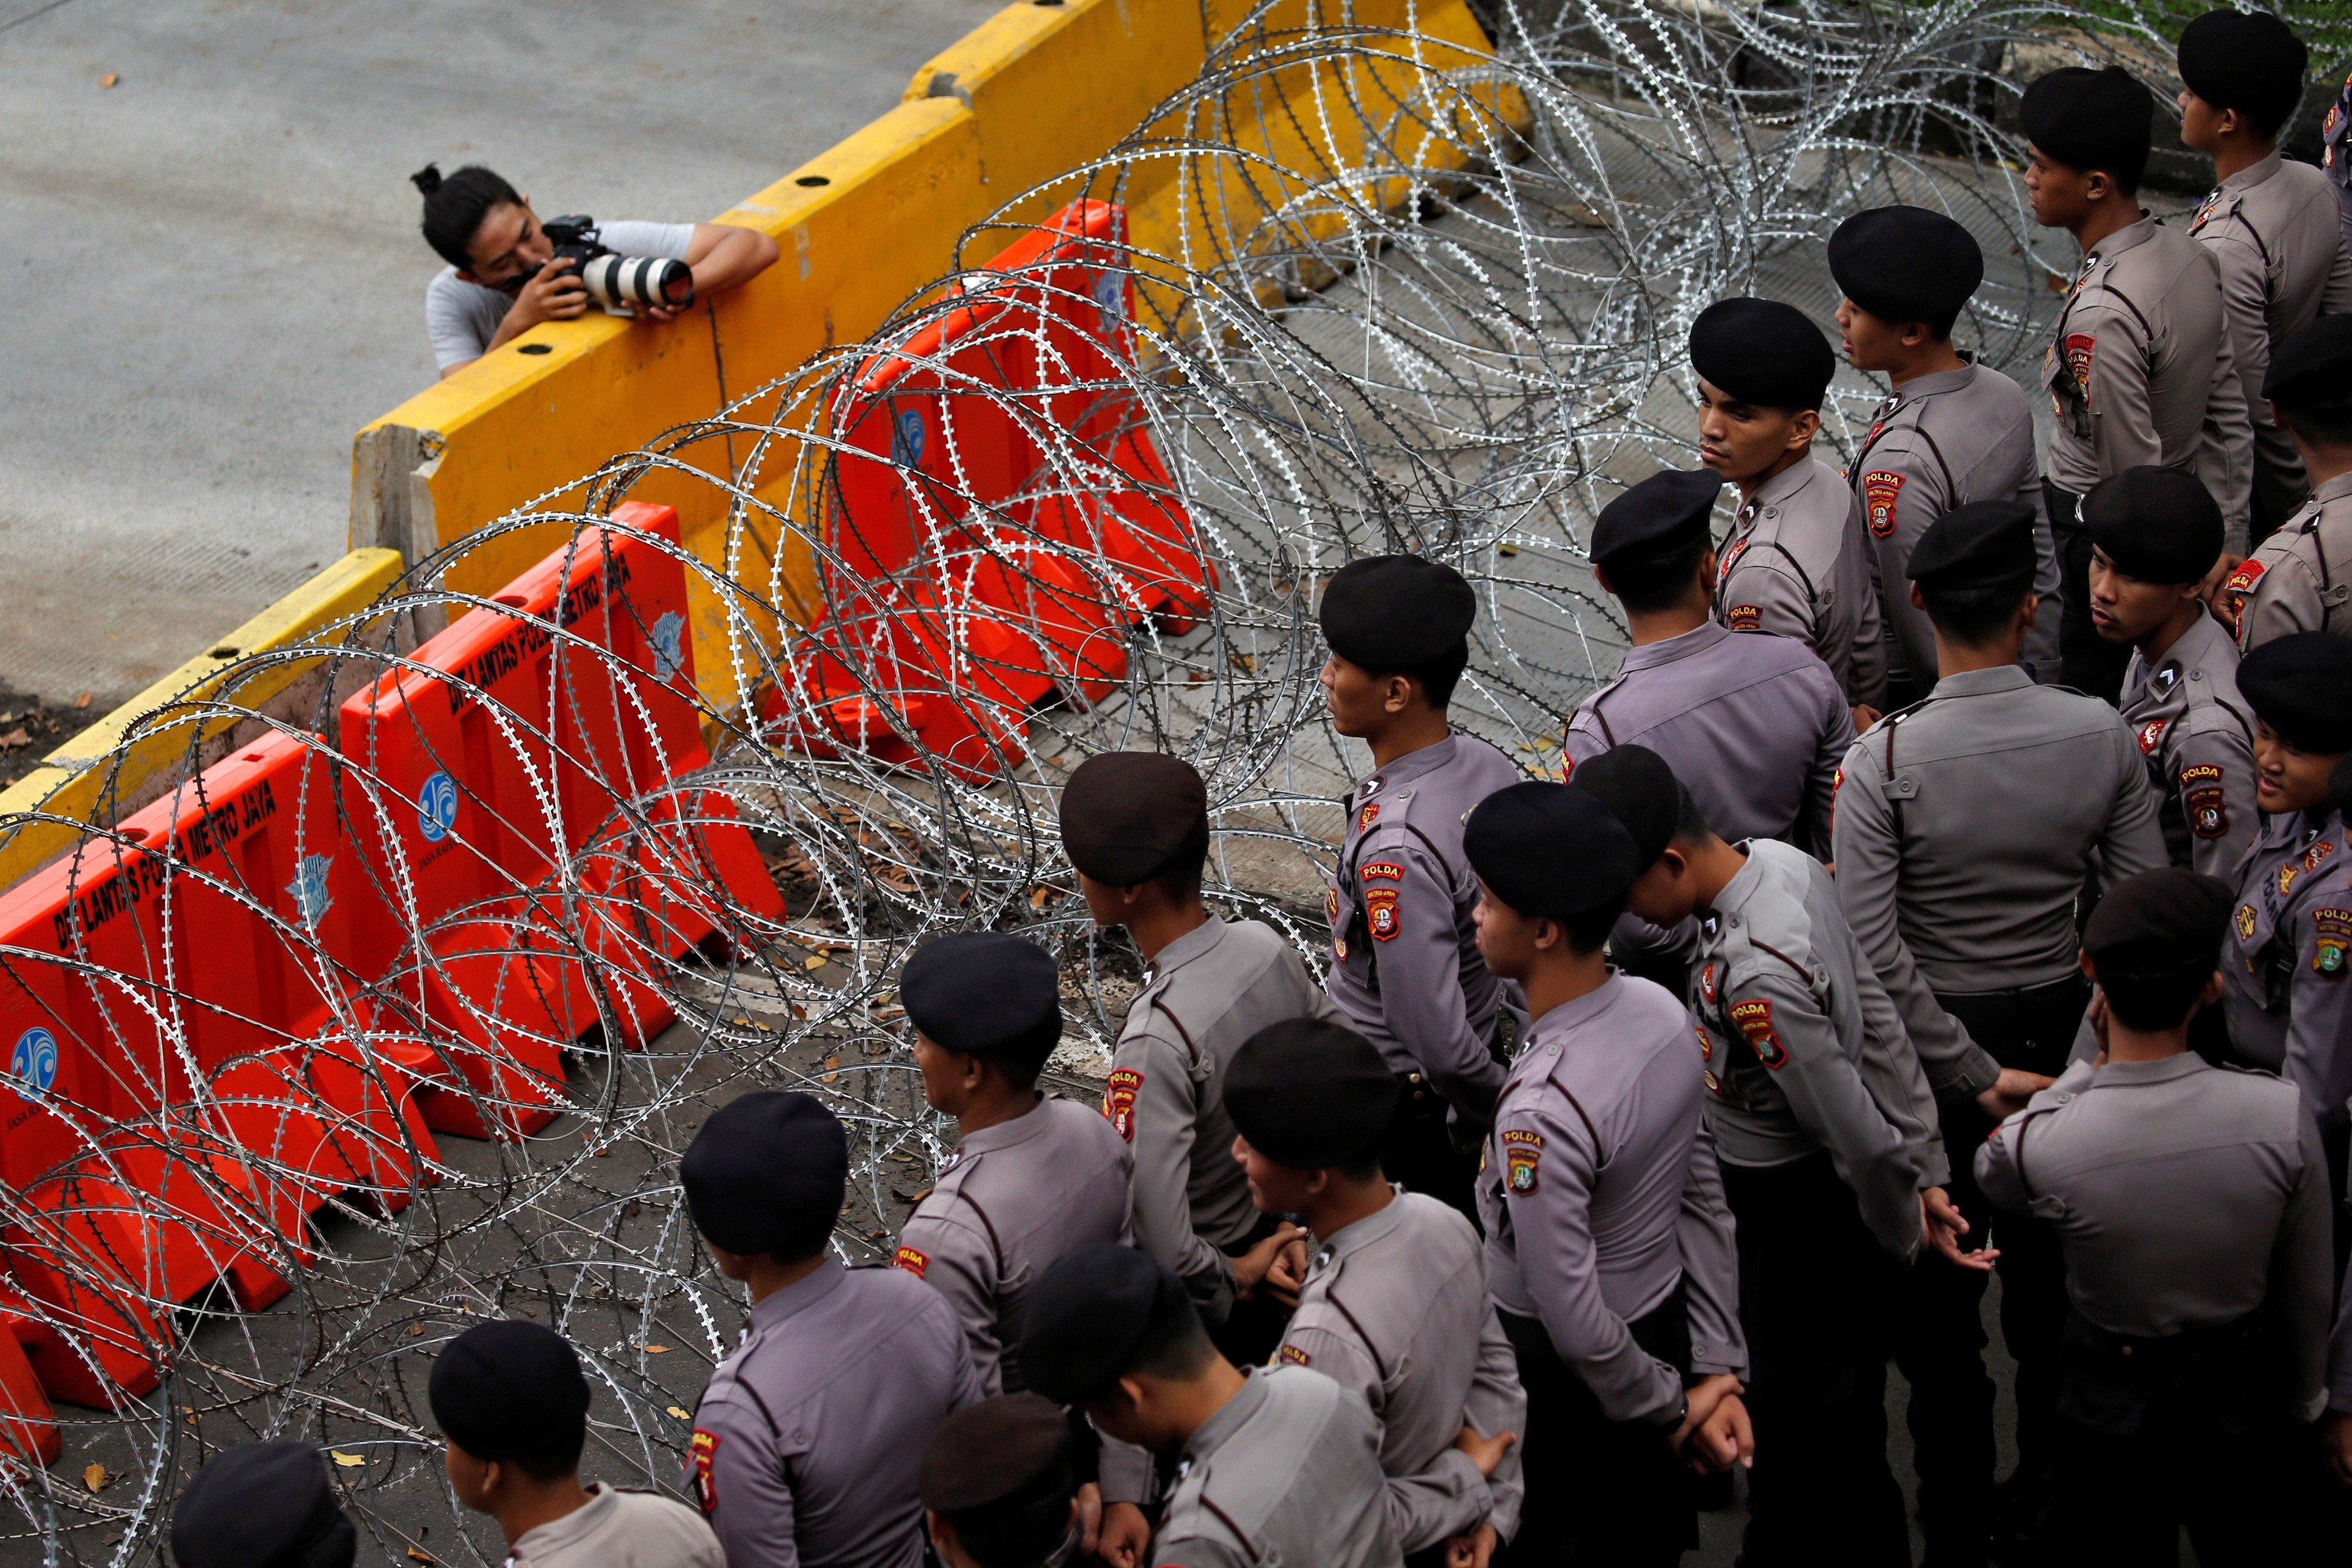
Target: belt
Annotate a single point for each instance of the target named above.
(2172, 1353)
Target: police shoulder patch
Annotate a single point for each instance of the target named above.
(1880, 489)
(1381, 913)
(701, 1450)
(2080, 348)
(1382, 871)
(1295, 1356)
(1753, 1018)
(2332, 938)
(1118, 1100)
(911, 1260)
(1522, 1152)
(1744, 618)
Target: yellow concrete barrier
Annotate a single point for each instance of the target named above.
(96, 779)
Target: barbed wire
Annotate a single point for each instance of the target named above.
(1352, 290)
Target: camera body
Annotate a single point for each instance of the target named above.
(621, 284)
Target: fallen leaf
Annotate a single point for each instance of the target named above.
(1506, 549)
(82, 701)
(1037, 897)
(815, 961)
(415, 1329)
(109, 79)
(96, 1477)
(416, 1555)
(655, 1349)
(681, 1412)
(347, 1460)
(15, 738)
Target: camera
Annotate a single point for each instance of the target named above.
(621, 284)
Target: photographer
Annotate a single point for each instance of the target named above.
(504, 278)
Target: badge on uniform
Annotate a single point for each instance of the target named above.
(1118, 1100)
(1521, 1150)
(701, 1450)
(2286, 879)
(2237, 586)
(1381, 913)
(2209, 816)
(1339, 948)
(1707, 982)
(1382, 871)
(2079, 345)
(912, 1261)
(1706, 1044)
(1713, 1084)
(2333, 929)
(2165, 679)
(2151, 736)
(1366, 817)
(1754, 1020)
(1730, 558)
(2317, 853)
(1294, 1356)
(2245, 923)
(1744, 618)
(1879, 489)
(1331, 907)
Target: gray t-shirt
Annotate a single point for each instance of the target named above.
(462, 318)
(621, 1529)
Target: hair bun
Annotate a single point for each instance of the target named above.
(427, 179)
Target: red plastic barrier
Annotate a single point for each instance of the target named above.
(518, 744)
(1002, 517)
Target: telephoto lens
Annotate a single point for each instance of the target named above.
(632, 282)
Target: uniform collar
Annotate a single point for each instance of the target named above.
(2122, 240)
(1187, 947)
(1210, 1435)
(1583, 1010)
(2252, 174)
(1005, 1134)
(1928, 386)
(1363, 1232)
(2333, 490)
(1744, 883)
(2198, 645)
(1409, 767)
(1975, 682)
(1781, 487)
(1696, 640)
(570, 1530)
(799, 1296)
(2186, 1064)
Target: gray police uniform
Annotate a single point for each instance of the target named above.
(2197, 734)
(2336, 157)
(1406, 973)
(1938, 441)
(2299, 578)
(1395, 1308)
(1798, 562)
(2141, 370)
(807, 1440)
(1826, 1131)
(1753, 727)
(1966, 826)
(1012, 1199)
(2274, 229)
(2193, 1205)
(1610, 1254)
(620, 1529)
(1288, 1472)
(2287, 968)
(1207, 992)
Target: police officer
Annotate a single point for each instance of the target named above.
(1609, 1250)
(511, 1401)
(2336, 1427)
(2271, 224)
(807, 1440)
(1136, 826)
(1966, 828)
(1396, 1304)
(1756, 727)
(2300, 579)
(1826, 1132)
(1405, 971)
(1032, 1175)
(1273, 1464)
(2139, 369)
(2193, 1205)
(1950, 432)
(1797, 561)
(2155, 535)
(2288, 966)
(998, 1487)
(263, 1505)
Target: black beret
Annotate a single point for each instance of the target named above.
(766, 1171)
(1550, 850)
(1309, 1094)
(2301, 685)
(2312, 365)
(1666, 513)
(1640, 790)
(1764, 352)
(2091, 120)
(2157, 524)
(1906, 263)
(1088, 1314)
(1984, 544)
(2159, 921)
(1000, 1449)
(1126, 816)
(1392, 612)
(263, 1505)
(509, 1389)
(986, 993)
(2246, 60)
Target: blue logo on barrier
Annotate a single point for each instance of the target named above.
(437, 808)
(34, 1063)
(1110, 293)
(907, 438)
(308, 888)
(668, 635)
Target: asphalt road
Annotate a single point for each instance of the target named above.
(213, 274)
